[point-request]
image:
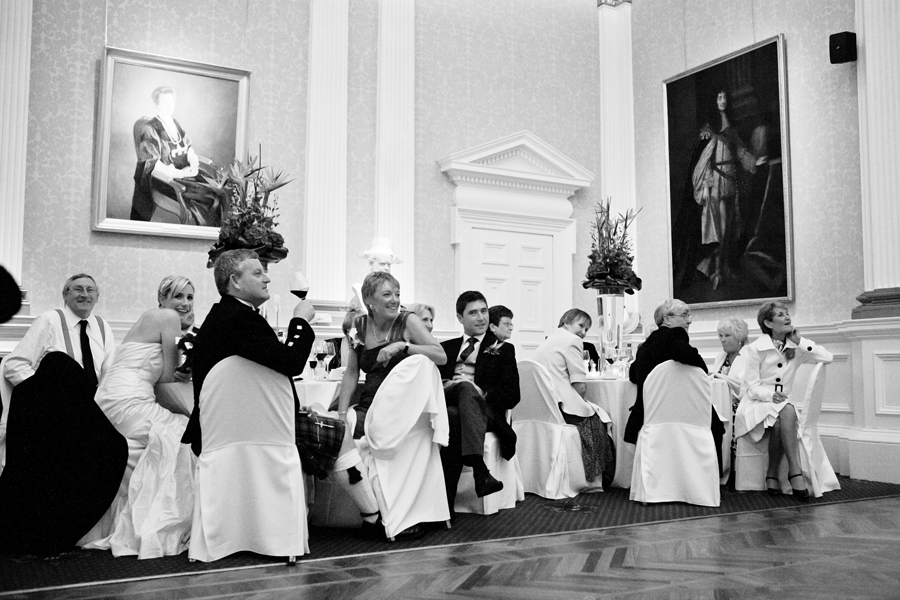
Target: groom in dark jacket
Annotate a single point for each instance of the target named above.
(669, 342)
(481, 382)
(235, 328)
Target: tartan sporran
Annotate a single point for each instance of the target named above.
(318, 442)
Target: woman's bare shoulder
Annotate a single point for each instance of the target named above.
(160, 315)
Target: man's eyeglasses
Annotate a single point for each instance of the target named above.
(81, 290)
(684, 315)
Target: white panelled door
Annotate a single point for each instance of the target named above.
(516, 269)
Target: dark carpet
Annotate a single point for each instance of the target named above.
(533, 516)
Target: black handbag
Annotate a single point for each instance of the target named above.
(318, 442)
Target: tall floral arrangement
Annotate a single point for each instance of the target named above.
(611, 255)
(250, 220)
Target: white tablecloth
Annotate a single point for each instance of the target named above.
(617, 396)
(321, 392)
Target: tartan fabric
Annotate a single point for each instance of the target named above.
(318, 442)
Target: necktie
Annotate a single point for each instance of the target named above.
(468, 349)
(87, 359)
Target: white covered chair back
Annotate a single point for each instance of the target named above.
(405, 427)
(675, 456)
(249, 492)
(505, 471)
(548, 449)
(825, 478)
(752, 459)
(6, 389)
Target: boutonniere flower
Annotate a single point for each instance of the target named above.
(354, 338)
(494, 349)
(789, 353)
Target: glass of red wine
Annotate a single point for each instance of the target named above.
(321, 353)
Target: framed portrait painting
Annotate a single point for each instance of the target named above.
(165, 126)
(729, 179)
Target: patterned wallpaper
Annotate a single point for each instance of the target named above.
(671, 36)
(267, 38)
(483, 70)
(486, 70)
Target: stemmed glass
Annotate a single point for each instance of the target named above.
(320, 356)
(587, 360)
(329, 354)
(312, 364)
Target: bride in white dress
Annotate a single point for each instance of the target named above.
(152, 517)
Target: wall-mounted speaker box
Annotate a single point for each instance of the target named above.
(842, 47)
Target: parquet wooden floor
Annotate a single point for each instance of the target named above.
(844, 551)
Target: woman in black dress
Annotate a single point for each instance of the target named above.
(380, 340)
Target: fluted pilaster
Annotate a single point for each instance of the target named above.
(326, 162)
(15, 70)
(878, 75)
(395, 150)
(617, 115)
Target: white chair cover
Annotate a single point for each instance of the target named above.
(249, 487)
(506, 471)
(825, 478)
(404, 427)
(752, 459)
(6, 389)
(675, 456)
(548, 449)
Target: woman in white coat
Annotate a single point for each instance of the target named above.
(770, 366)
(562, 354)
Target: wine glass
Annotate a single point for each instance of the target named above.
(312, 364)
(329, 354)
(587, 359)
(320, 357)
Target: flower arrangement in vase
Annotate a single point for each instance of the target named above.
(611, 255)
(249, 222)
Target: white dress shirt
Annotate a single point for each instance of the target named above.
(466, 371)
(46, 335)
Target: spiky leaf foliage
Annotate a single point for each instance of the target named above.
(611, 255)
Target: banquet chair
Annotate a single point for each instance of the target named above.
(505, 471)
(5, 396)
(752, 459)
(548, 449)
(675, 456)
(404, 429)
(249, 490)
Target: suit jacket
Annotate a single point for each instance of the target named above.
(666, 343)
(234, 329)
(591, 349)
(498, 376)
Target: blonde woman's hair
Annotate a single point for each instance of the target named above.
(171, 285)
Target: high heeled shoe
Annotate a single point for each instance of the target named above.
(802, 495)
(773, 491)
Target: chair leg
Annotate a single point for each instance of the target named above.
(447, 523)
(291, 561)
(192, 560)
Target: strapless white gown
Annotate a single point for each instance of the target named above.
(152, 517)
